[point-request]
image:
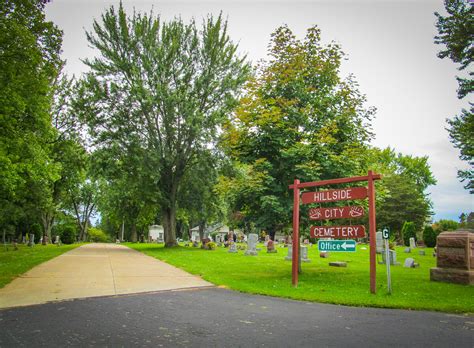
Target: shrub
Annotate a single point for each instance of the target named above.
(445, 225)
(37, 230)
(408, 231)
(429, 236)
(97, 235)
(68, 234)
(211, 245)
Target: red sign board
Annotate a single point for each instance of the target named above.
(350, 212)
(334, 195)
(345, 232)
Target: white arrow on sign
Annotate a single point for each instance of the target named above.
(344, 245)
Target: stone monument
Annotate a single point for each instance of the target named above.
(232, 248)
(304, 254)
(271, 247)
(289, 256)
(252, 244)
(379, 243)
(412, 243)
(393, 257)
(454, 257)
(31, 241)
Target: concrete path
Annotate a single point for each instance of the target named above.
(95, 270)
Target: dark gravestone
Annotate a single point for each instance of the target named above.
(455, 257)
(338, 264)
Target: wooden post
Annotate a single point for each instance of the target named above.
(296, 226)
(372, 232)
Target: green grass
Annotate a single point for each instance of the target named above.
(16, 262)
(270, 274)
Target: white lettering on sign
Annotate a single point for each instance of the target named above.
(336, 195)
(355, 231)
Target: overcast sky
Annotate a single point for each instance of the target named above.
(390, 51)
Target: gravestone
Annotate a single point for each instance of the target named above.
(252, 244)
(338, 264)
(57, 241)
(41, 240)
(195, 244)
(23, 240)
(289, 256)
(232, 248)
(306, 241)
(304, 254)
(421, 252)
(324, 254)
(271, 247)
(409, 263)
(407, 250)
(31, 241)
(412, 243)
(379, 243)
(393, 257)
(455, 258)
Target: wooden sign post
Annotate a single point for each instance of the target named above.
(356, 231)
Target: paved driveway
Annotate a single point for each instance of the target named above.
(95, 270)
(216, 317)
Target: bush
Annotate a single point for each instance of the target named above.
(97, 235)
(429, 236)
(37, 230)
(211, 245)
(408, 231)
(445, 225)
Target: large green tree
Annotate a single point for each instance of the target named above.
(29, 64)
(164, 85)
(456, 32)
(299, 119)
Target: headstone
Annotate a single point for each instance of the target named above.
(306, 241)
(379, 243)
(412, 243)
(324, 254)
(271, 247)
(23, 240)
(421, 252)
(304, 254)
(409, 263)
(195, 244)
(338, 264)
(41, 240)
(252, 244)
(407, 250)
(393, 257)
(57, 241)
(455, 257)
(31, 242)
(232, 248)
(289, 256)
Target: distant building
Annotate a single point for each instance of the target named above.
(156, 233)
(220, 231)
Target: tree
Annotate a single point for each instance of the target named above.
(429, 236)
(408, 231)
(456, 32)
(298, 119)
(165, 86)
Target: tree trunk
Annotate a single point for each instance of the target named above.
(48, 219)
(169, 226)
(202, 226)
(134, 232)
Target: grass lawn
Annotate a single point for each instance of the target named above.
(16, 262)
(270, 274)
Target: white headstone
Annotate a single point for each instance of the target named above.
(304, 254)
(379, 243)
(412, 243)
(409, 263)
(232, 247)
(407, 250)
(393, 257)
(289, 257)
(252, 244)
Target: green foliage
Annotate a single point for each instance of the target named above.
(159, 91)
(37, 231)
(97, 235)
(445, 225)
(29, 63)
(68, 234)
(298, 119)
(456, 32)
(429, 236)
(211, 245)
(408, 231)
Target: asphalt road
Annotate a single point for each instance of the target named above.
(222, 318)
